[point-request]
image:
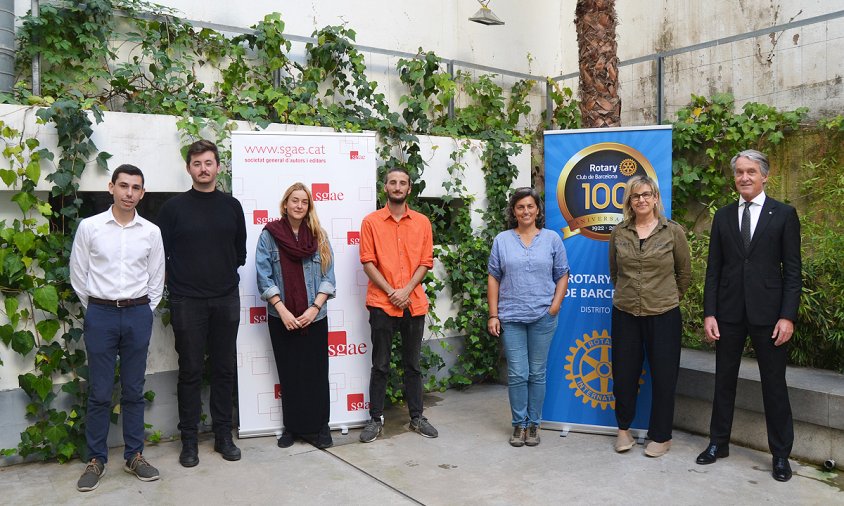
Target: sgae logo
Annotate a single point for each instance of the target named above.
(355, 155)
(339, 347)
(277, 391)
(355, 402)
(353, 237)
(262, 217)
(322, 192)
(257, 315)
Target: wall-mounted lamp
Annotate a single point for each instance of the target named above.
(485, 16)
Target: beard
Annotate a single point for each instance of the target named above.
(397, 200)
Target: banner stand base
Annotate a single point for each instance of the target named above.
(565, 428)
(276, 432)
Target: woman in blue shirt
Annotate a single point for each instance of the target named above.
(528, 277)
(295, 269)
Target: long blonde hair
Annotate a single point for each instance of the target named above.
(313, 224)
(632, 184)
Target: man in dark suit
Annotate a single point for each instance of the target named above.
(753, 285)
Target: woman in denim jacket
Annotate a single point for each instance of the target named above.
(295, 268)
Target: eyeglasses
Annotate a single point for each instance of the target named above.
(643, 195)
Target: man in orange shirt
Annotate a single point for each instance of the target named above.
(396, 250)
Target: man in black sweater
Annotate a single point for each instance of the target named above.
(204, 234)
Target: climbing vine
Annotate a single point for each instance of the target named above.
(706, 135)
(39, 304)
(134, 56)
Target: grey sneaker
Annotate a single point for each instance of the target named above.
(90, 479)
(532, 438)
(518, 437)
(138, 466)
(421, 425)
(371, 431)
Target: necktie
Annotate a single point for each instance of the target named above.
(745, 225)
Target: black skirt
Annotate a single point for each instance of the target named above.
(301, 357)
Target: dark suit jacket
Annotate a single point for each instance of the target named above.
(760, 285)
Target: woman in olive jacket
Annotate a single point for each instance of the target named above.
(650, 267)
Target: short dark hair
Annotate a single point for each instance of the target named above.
(129, 170)
(201, 146)
(395, 168)
(519, 194)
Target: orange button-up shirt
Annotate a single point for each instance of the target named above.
(397, 248)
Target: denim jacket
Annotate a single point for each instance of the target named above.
(269, 274)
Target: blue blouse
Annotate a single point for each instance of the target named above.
(527, 276)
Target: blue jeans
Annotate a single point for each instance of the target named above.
(526, 348)
(109, 332)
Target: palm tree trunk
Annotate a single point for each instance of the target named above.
(595, 21)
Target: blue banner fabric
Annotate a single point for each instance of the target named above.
(586, 172)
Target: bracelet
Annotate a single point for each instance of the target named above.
(318, 308)
(276, 303)
(492, 316)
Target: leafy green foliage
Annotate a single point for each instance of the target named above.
(34, 277)
(566, 112)
(707, 133)
(710, 132)
(819, 331)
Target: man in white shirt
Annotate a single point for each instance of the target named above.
(117, 271)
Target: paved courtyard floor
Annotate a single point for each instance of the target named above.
(469, 463)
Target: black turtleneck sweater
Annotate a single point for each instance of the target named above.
(204, 238)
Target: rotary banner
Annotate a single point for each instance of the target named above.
(586, 173)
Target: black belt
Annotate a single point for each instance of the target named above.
(119, 303)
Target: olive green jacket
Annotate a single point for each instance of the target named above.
(651, 279)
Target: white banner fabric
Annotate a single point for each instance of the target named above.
(340, 170)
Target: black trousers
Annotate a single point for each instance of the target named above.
(771, 361)
(659, 337)
(200, 326)
(384, 327)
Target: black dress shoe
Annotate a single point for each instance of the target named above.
(323, 439)
(712, 453)
(286, 440)
(190, 453)
(225, 446)
(782, 469)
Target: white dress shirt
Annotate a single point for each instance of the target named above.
(116, 262)
(755, 211)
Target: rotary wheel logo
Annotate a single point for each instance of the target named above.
(590, 369)
(628, 167)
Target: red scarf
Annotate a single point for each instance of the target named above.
(292, 250)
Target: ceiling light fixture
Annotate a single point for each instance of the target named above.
(485, 16)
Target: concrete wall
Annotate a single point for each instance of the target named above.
(797, 68)
(152, 143)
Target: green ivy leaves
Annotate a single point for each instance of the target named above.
(706, 135)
